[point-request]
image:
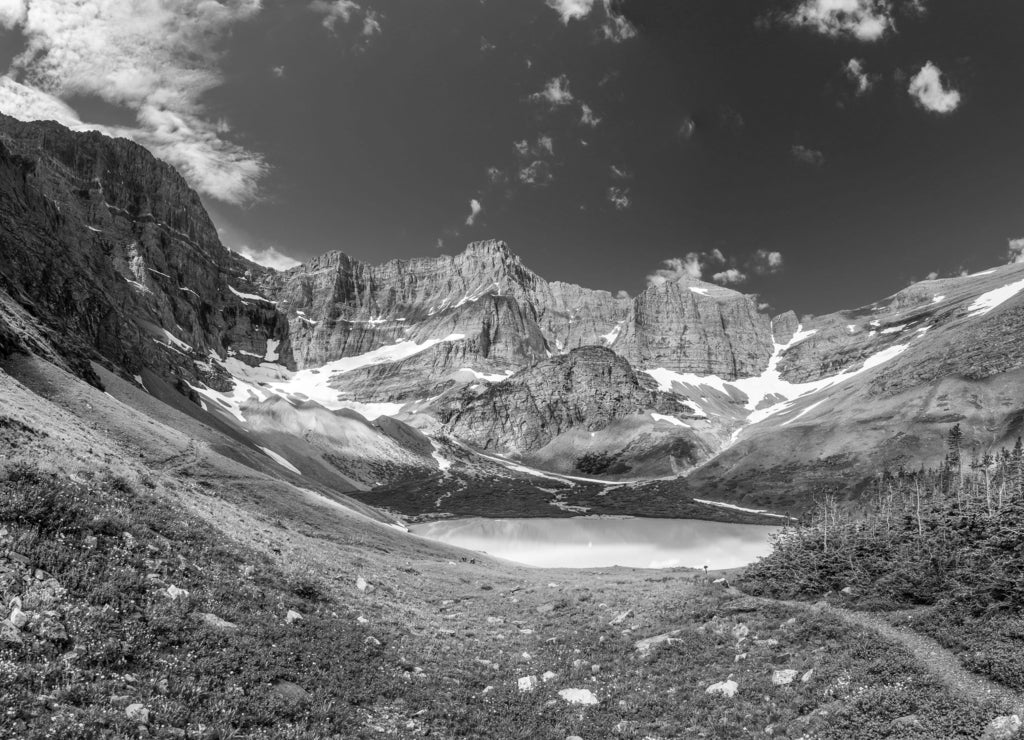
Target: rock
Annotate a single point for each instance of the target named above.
(620, 618)
(906, 722)
(247, 571)
(726, 688)
(290, 691)
(527, 683)
(740, 632)
(578, 696)
(783, 677)
(649, 643)
(495, 620)
(548, 676)
(848, 591)
(1005, 727)
(175, 593)
(18, 618)
(137, 713)
(215, 622)
(361, 584)
(807, 676)
(741, 605)
(42, 594)
(292, 616)
(48, 626)
(545, 608)
(363, 620)
(741, 656)
(372, 641)
(9, 634)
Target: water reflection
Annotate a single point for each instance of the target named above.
(595, 542)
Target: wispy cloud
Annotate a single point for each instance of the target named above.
(155, 59)
(862, 82)
(1016, 253)
(732, 276)
(725, 270)
(587, 116)
(927, 89)
(269, 257)
(765, 262)
(555, 93)
(474, 210)
(347, 11)
(865, 20)
(534, 161)
(614, 25)
(619, 197)
(806, 155)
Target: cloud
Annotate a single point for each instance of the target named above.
(935, 276)
(731, 276)
(765, 262)
(495, 175)
(1016, 253)
(927, 89)
(12, 13)
(614, 27)
(862, 82)
(620, 173)
(687, 128)
(155, 58)
(806, 155)
(278, 71)
(691, 267)
(537, 172)
(269, 257)
(556, 92)
(571, 9)
(587, 117)
(864, 20)
(474, 210)
(534, 161)
(619, 197)
(343, 10)
(371, 23)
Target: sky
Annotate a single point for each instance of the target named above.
(821, 154)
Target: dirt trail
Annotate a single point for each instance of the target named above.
(937, 660)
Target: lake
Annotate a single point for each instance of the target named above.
(603, 541)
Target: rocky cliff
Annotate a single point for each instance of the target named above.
(586, 388)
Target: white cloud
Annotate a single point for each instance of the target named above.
(474, 210)
(926, 87)
(620, 173)
(1016, 246)
(336, 10)
(729, 277)
(269, 257)
(619, 197)
(571, 9)
(371, 23)
(765, 262)
(860, 79)
(546, 143)
(537, 172)
(278, 71)
(556, 92)
(587, 117)
(865, 20)
(807, 155)
(691, 266)
(616, 27)
(495, 175)
(157, 58)
(12, 13)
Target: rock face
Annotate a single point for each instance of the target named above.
(110, 248)
(688, 326)
(588, 387)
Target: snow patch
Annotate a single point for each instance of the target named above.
(986, 302)
(611, 336)
(699, 291)
(938, 299)
(723, 505)
(671, 420)
(279, 460)
(894, 329)
(272, 345)
(251, 296)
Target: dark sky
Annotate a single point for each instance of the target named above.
(733, 125)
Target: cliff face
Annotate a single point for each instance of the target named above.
(587, 388)
(109, 246)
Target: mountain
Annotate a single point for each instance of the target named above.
(435, 372)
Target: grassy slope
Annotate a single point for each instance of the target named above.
(438, 629)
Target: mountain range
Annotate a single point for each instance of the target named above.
(469, 383)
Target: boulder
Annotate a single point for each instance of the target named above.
(1005, 727)
(527, 683)
(290, 691)
(137, 713)
(783, 677)
(578, 696)
(727, 688)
